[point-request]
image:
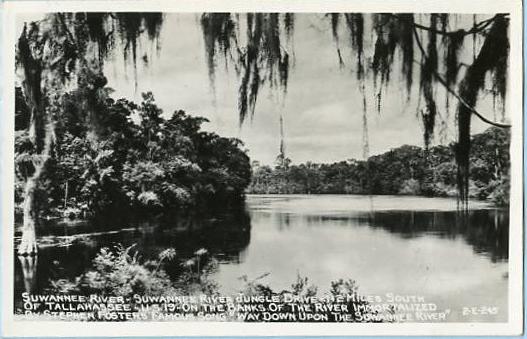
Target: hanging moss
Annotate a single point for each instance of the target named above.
(427, 82)
(282, 155)
(289, 24)
(255, 31)
(63, 42)
(406, 42)
(32, 67)
(262, 59)
(384, 49)
(454, 44)
(152, 22)
(132, 25)
(355, 28)
(491, 56)
(355, 23)
(499, 73)
(335, 19)
(218, 31)
(444, 19)
(365, 136)
(386, 29)
(129, 25)
(283, 67)
(95, 23)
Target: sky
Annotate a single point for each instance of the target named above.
(322, 110)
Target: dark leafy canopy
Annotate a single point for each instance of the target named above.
(155, 165)
(263, 58)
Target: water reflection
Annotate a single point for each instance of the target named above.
(451, 259)
(486, 231)
(28, 265)
(225, 236)
(431, 249)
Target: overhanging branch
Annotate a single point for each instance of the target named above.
(477, 28)
(454, 93)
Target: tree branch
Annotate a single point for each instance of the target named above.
(454, 93)
(477, 28)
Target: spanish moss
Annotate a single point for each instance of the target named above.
(384, 49)
(454, 43)
(355, 23)
(218, 31)
(407, 47)
(335, 18)
(263, 59)
(289, 24)
(493, 52)
(428, 71)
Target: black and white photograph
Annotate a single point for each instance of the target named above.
(207, 167)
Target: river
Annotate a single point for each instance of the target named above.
(388, 244)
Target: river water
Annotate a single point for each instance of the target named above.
(387, 244)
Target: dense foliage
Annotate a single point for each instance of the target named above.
(121, 272)
(140, 161)
(403, 170)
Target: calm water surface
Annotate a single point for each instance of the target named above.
(403, 245)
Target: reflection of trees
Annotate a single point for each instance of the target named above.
(29, 271)
(282, 221)
(25, 277)
(225, 236)
(487, 231)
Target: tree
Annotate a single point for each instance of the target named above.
(62, 50)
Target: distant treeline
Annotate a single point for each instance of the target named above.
(404, 170)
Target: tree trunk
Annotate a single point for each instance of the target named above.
(41, 135)
(28, 244)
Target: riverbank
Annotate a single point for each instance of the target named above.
(405, 170)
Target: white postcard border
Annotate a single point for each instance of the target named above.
(514, 326)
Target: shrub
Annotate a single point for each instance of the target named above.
(119, 273)
(410, 187)
(499, 191)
